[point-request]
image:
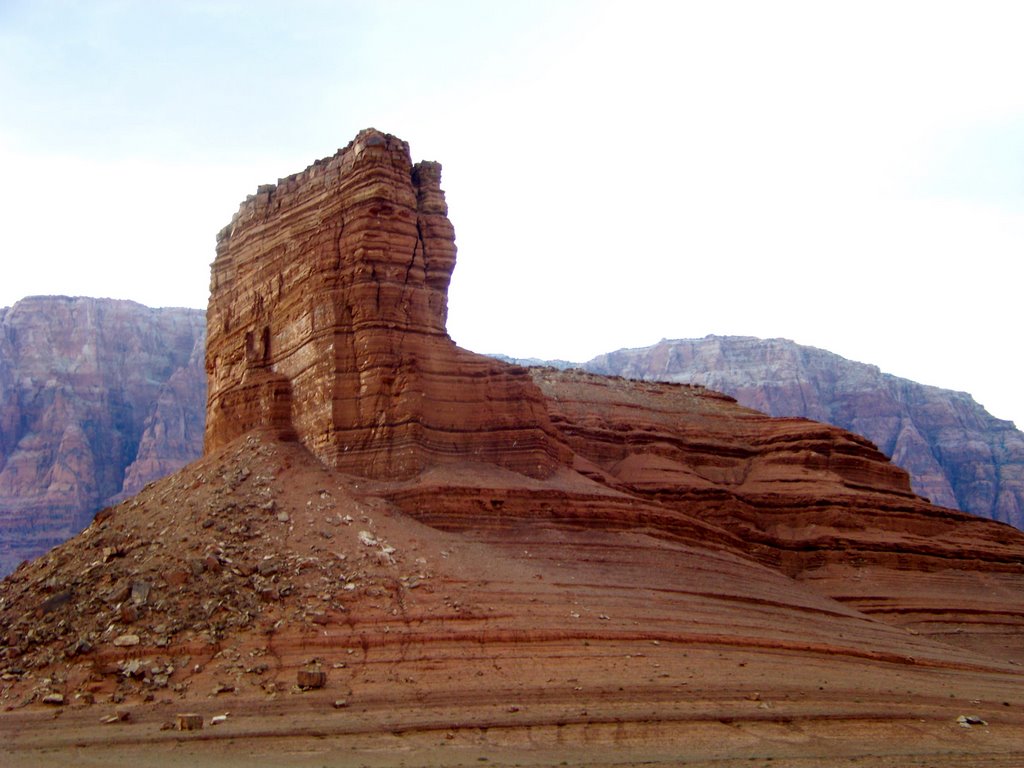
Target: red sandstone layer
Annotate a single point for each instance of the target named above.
(334, 282)
(449, 544)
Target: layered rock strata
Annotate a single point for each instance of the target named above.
(97, 398)
(655, 556)
(958, 455)
(821, 505)
(328, 304)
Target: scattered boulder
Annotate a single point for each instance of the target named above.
(129, 613)
(55, 601)
(189, 722)
(966, 721)
(140, 592)
(309, 679)
(176, 577)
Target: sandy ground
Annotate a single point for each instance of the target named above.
(865, 714)
(415, 738)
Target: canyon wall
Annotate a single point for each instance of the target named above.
(97, 398)
(958, 455)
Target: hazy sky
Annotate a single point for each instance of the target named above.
(849, 175)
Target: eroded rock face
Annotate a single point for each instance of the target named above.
(97, 397)
(327, 313)
(654, 539)
(957, 454)
(172, 434)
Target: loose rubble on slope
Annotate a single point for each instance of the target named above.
(227, 550)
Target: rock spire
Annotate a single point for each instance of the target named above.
(328, 303)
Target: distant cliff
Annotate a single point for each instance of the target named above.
(958, 455)
(97, 398)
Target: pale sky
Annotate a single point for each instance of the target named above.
(849, 175)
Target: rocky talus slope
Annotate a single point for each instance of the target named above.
(396, 551)
(97, 398)
(958, 455)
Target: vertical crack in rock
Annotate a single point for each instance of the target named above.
(417, 248)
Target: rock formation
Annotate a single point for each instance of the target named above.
(465, 551)
(97, 398)
(328, 303)
(957, 454)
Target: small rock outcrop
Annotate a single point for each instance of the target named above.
(958, 455)
(328, 304)
(97, 398)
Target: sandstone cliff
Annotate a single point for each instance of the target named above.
(957, 454)
(97, 398)
(463, 547)
(328, 304)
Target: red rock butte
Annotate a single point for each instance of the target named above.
(522, 566)
(328, 304)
